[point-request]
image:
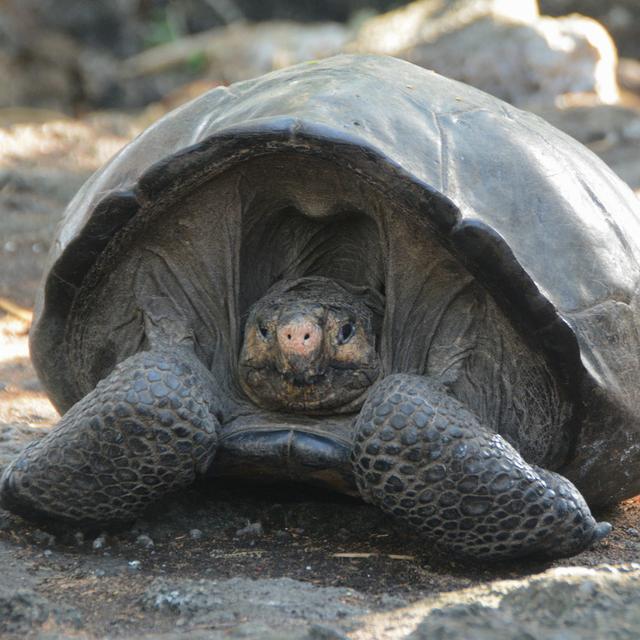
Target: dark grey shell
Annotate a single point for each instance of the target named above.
(543, 224)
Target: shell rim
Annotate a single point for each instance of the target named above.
(482, 249)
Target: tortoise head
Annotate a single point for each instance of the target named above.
(310, 347)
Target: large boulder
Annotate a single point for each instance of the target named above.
(572, 603)
(500, 46)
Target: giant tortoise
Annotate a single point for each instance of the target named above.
(354, 273)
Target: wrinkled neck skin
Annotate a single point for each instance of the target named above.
(309, 347)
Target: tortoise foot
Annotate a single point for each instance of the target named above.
(144, 431)
(423, 457)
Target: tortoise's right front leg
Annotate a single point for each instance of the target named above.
(145, 430)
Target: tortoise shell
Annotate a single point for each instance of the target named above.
(207, 206)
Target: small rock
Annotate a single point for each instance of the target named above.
(632, 531)
(43, 538)
(100, 542)
(343, 534)
(389, 601)
(283, 536)
(145, 541)
(99, 573)
(323, 632)
(134, 565)
(26, 613)
(252, 530)
(195, 534)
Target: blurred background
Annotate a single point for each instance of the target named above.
(78, 79)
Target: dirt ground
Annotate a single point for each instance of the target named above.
(217, 561)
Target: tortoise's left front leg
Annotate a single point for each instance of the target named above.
(425, 458)
(145, 430)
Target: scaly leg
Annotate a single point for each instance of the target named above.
(423, 457)
(145, 430)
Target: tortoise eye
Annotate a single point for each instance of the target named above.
(264, 332)
(346, 332)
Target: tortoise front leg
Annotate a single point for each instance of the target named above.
(145, 430)
(423, 457)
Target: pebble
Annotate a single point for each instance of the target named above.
(143, 540)
(252, 530)
(323, 632)
(134, 565)
(195, 534)
(99, 573)
(283, 536)
(392, 602)
(47, 553)
(343, 534)
(632, 531)
(100, 542)
(43, 538)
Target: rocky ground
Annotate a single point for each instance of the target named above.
(258, 562)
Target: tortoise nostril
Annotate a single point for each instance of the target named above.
(299, 336)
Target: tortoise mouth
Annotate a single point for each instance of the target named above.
(334, 390)
(294, 378)
(303, 380)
